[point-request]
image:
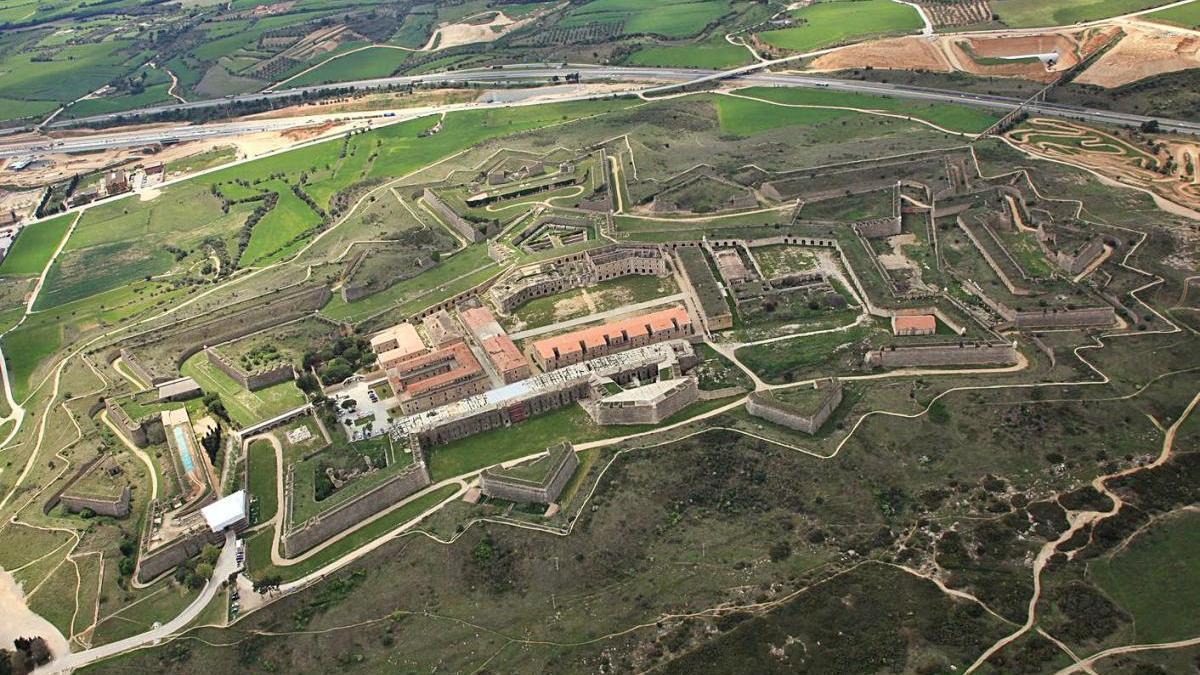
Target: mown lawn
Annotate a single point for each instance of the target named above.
(1187, 16)
(833, 22)
(244, 407)
(290, 218)
(743, 117)
(34, 246)
(260, 476)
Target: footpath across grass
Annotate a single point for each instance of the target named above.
(258, 555)
(34, 246)
(960, 118)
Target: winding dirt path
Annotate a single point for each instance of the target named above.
(1077, 521)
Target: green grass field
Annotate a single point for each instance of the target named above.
(1157, 579)
(743, 117)
(123, 241)
(832, 22)
(1031, 13)
(714, 54)
(1187, 16)
(777, 361)
(245, 407)
(669, 18)
(203, 160)
(25, 348)
(260, 478)
(955, 117)
(290, 218)
(360, 65)
(34, 246)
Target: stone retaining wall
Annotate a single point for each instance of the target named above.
(154, 564)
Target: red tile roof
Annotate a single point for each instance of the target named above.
(503, 353)
(617, 331)
(920, 322)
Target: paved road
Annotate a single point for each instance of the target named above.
(541, 73)
(226, 564)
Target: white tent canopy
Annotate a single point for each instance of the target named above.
(225, 512)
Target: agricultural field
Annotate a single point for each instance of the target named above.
(1185, 16)
(711, 54)
(35, 246)
(1031, 13)
(832, 22)
(672, 19)
(360, 65)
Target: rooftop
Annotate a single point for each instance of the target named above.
(481, 322)
(921, 322)
(622, 330)
(464, 364)
(646, 393)
(405, 336)
(661, 353)
(225, 512)
(503, 353)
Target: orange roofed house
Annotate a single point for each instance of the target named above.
(445, 375)
(590, 343)
(921, 324)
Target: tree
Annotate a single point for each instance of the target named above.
(267, 583)
(209, 554)
(1149, 127)
(204, 571)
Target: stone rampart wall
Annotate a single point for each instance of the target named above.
(153, 564)
(1065, 318)
(965, 354)
(346, 515)
(250, 381)
(521, 491)
(451, 217)
(117, 507)
(784, 415)
(134, 431)
(649, 412)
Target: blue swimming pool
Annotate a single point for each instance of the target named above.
(185, 452)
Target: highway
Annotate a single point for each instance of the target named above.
(674, 77)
